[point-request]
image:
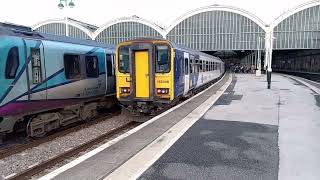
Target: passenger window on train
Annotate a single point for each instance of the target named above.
(123, 59)
(109, 65)
(12, 63)
(162, 59)
(72, 66)
(92, 66)
(36, 66)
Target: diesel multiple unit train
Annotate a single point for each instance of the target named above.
(49, 81)
(153, 73)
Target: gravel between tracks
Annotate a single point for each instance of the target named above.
(21, 161)
(66, 161)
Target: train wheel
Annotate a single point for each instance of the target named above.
(39, 125)
(89, 112)
(33, 132)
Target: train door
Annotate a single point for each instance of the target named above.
(110, 74)
(36, 72)
(142, 81)
(186, 73)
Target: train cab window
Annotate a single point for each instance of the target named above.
(72, 66)
(123, 59)
(12, 63)
(109, 65)
(36, 66)
(92, 66)
(162, 59)
(186, 64)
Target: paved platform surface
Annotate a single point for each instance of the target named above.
(250, 133)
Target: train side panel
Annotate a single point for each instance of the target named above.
(178, 73)
(57, 87)
(17, 84)
(51, 75)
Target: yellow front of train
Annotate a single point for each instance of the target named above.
(145, 75)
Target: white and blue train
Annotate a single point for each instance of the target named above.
(50, 81)
(153, 73)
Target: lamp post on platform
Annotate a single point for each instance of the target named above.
(61, 6)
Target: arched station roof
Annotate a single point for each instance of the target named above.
(236, 10)
(214, 28)
(134, 19)
(298, 28)
(293, 11)
(75, 27)
(126, 28)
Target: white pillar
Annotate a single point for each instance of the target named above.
(268, 57)
(258, 71)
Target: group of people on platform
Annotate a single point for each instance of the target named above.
(243, 69)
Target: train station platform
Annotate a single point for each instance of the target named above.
(237, 129)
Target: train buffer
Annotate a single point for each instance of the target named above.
(236, 129)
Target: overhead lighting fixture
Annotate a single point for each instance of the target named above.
(71, 4)
(60, 5)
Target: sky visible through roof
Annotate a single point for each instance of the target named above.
(162, 12)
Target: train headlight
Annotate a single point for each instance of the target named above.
(162, 91)
(125, 90)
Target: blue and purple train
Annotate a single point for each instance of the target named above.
(50, 81)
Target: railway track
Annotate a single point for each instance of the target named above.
(28, 173)
(315, 77)
(62, 132)
(316, 84)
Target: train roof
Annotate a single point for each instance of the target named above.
(176, 46)
(27, 32)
